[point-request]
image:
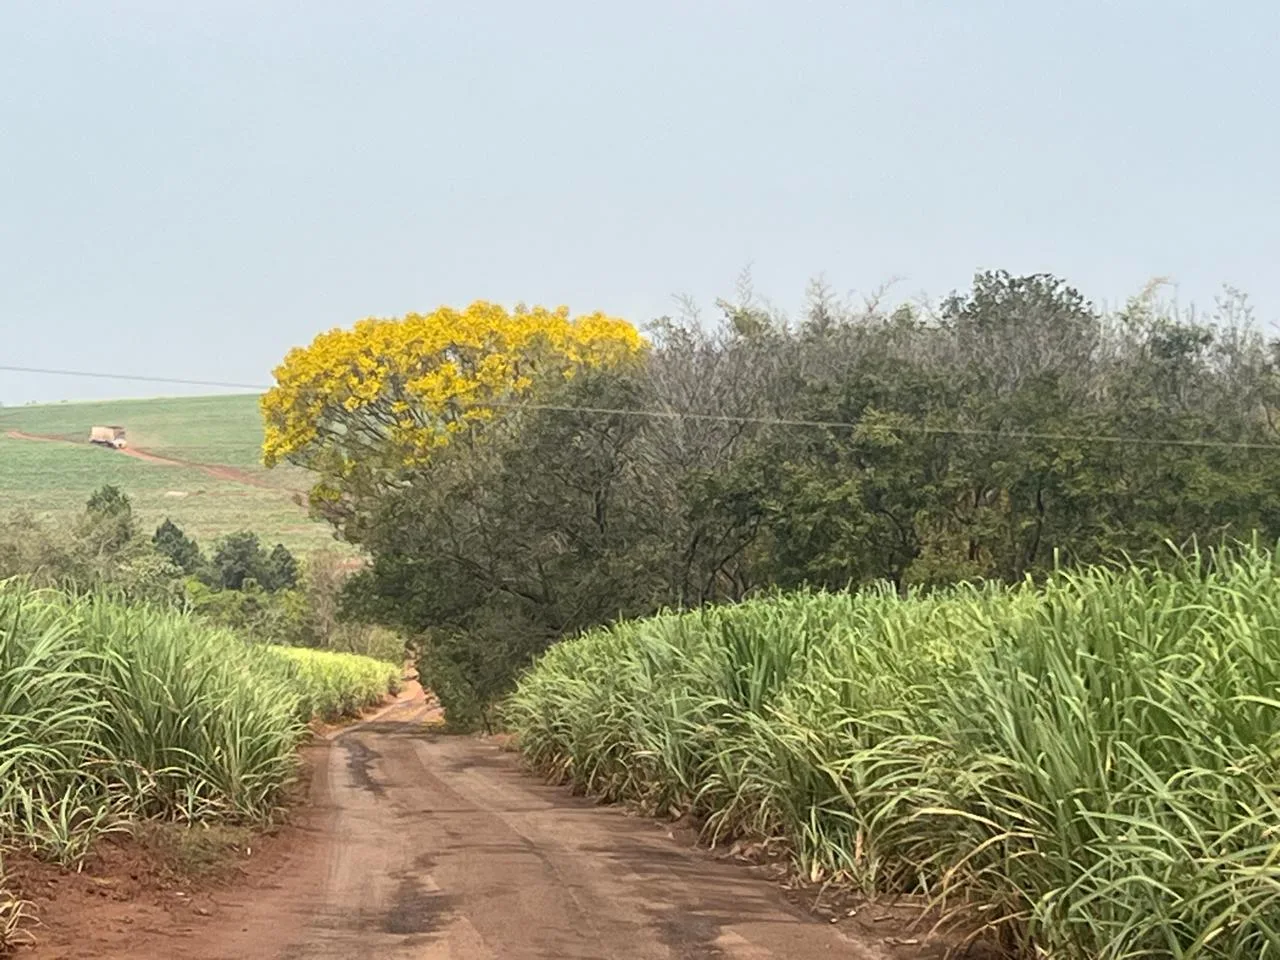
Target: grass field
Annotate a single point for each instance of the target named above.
(54, 479)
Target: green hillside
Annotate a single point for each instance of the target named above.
(219, 486)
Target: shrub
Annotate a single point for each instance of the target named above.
(109, 518)
(469, 675)
(281, 568)
(251, 611)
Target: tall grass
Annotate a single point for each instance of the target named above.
(331, 685)
(1083, 769)
(110, 713)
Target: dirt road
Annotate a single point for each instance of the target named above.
(430, 847)
(440, 848)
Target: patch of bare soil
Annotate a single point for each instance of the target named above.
(217, 471)
(146, 895)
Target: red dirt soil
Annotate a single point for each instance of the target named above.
(125, 903)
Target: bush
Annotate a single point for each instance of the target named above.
(469, 675)
(328, 626)
(109, 503)
(281, 568)
(109, 518)
(85, 558)
(251, 611)
(44, 555)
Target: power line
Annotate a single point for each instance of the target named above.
(894, 428)
(129, 376)
(798, 423)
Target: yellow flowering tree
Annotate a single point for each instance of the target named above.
(360, 406)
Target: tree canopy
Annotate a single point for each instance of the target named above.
(240, 557)
(1010, 428)
(183, 551)
(360, 406)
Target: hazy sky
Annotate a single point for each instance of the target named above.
(190, 188)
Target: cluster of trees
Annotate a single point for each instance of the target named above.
(239, 561)
(1010, 428)
(106, 548)
(265, 594)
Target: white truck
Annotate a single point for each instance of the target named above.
(113, 437)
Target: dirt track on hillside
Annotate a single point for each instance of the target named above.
(217, 471)
(427, 846)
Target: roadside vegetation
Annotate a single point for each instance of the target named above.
(1081, 769)
(331, 685)
(519, 477)
(262, 592)
(145, 682)
(114, 713)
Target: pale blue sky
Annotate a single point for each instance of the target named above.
(189, 188)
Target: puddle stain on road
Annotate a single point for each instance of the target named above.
(360, 759)
(415, 909)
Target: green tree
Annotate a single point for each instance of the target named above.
(108, 520)
(181, 550)
(498, 547)
(919, 446)
(281, 569)
(108, 502)
(278, 617)
(239, 558)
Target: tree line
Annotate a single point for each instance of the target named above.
(1013, 427)
(262, 593)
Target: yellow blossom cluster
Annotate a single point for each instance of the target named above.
(392, 390)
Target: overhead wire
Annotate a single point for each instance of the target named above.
(129, 376)
(896, 428)
(792, 422)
